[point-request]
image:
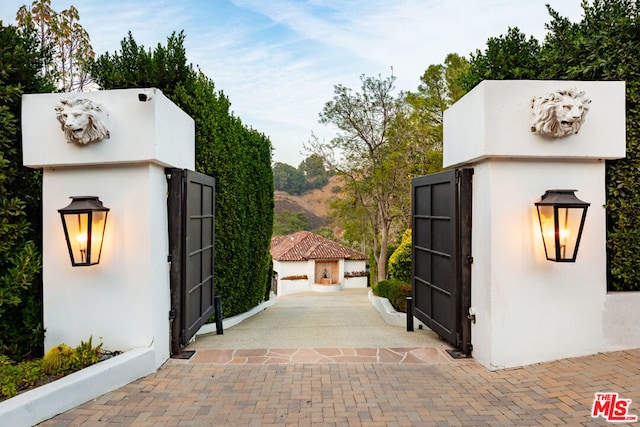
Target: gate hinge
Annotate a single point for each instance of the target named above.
(470, 259)
(172, 314)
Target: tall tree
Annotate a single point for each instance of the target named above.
(289, 179)
(312, 168)
(440, 87)
(67, 42)
(368, 157)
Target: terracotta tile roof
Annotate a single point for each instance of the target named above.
(305, 245)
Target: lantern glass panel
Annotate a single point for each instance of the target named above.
(98, 223)
(547, 227)
(569, 220)
(77, 232)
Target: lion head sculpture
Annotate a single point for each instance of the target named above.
(560, 113)
(82, 120)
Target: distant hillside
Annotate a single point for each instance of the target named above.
(314, 204)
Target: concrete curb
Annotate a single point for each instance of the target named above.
(389, 314)
(42, 403)
(234, 320)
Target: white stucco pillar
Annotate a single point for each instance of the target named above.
(528, 309)
(124, 300)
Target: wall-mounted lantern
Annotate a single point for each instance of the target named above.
(84, 222)
(561, 215)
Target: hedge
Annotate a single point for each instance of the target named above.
(396, 291)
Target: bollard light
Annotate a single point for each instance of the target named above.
(84, 222)
(561, 215)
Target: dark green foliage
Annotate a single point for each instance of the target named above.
(288, 222)
(400, 260)
(604, 45)
(134, 66)
(21, 333)
(289, 179)
(314, 172)
(309, 175)
(511, 56)
(237, 156)
(396, 291)
(270, 278)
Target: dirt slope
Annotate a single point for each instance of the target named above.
(313, 204)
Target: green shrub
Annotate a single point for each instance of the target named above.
(59, 361)
(396, 291)
(85, 355)
(400, 260)
(16, 377)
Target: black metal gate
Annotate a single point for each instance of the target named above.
(191, 205)
(441, 215)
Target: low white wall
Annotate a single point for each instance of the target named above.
(389, 314)
(354, 282)
(354, 266)
(299, 268)
(291, 268)
(287, 287)
(621, 320)
(34, 406)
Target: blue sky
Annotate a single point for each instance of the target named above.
(278, 60)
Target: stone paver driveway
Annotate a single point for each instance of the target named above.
(358, 385)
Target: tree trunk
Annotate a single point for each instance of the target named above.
(382, 256)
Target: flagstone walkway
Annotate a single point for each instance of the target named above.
(433, 355)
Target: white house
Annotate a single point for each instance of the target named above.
(304, 261)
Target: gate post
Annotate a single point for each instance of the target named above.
(123, 300)
(554, 310)
(218, 308)
(410, 314)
